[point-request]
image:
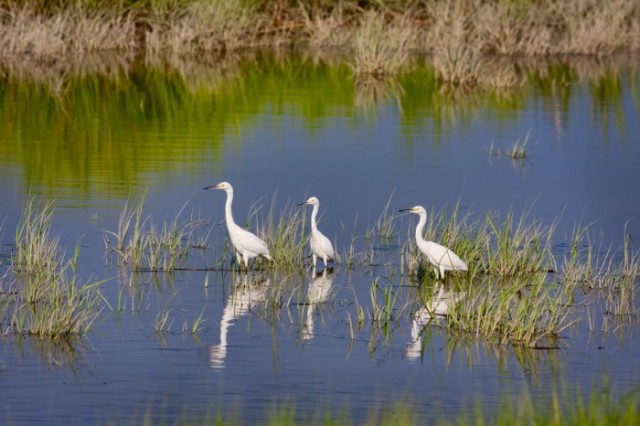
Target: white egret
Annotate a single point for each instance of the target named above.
(439, 256)
(246, 245)
(321, 246)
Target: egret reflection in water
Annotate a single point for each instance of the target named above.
(433, 310)
(248, 292)
(318, 293)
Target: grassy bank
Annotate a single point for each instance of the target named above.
(380, 37)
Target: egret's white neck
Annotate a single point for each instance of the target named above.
(314, 213)
(227, 208)
(420, 227)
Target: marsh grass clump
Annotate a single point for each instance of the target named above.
(517, 246)
(53, 33)
(384, 226)
(284, 232)
(593, 267)
(517, 151)
(50, 301)
(453, 45)
(36, 251)
(517, 311)
(383, 304)
(379, 47)
(67, 309)
(206, 26)
(383, 35)
(142, 245)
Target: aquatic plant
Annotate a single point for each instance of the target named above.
(55, 304)
(163, 321)
(284, 232)
(50, 301)
(36, 251)
(384, 226)
(518, 248)
(518, 150)
(140, 245)
(382, 313)
(518, 311)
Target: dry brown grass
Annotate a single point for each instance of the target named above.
(381, 47)
(77, 30)
(381, 35)
(205, 26)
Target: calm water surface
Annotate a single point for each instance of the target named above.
(287, 129)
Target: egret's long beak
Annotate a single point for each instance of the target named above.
(405, 210)
(212, 187)
(302, 203)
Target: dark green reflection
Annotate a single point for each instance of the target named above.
(93, 126)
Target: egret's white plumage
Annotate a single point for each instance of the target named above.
(246, 245)
(439, 256)
(321, 246)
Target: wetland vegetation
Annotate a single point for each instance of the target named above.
(115, 114)
(378, 37)
(517, 289)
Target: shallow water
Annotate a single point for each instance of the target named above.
(287, 128)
